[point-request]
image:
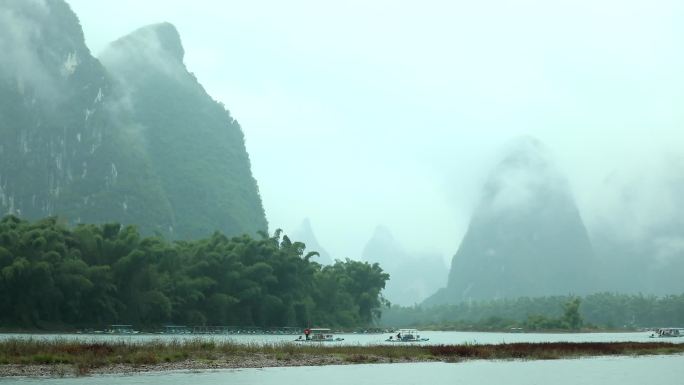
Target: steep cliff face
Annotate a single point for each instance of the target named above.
(77, 144)
(47, 81)
(62, 153)
(413, 276)
(195, 147)
(526, 237)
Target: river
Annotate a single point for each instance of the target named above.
(652, 370)
(436, 337)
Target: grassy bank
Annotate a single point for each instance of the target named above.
(40, 357)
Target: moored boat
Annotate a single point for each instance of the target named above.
(121, 329)
(318, 335)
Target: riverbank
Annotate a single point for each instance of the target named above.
(36, 358)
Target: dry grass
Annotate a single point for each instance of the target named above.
(554, 350)
(86, 356)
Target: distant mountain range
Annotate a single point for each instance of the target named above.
(131, 137)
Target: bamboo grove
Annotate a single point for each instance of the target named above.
(54, 276)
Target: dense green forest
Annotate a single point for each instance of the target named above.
(54, 276)
(603, 310)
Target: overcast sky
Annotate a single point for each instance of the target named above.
(359, 113)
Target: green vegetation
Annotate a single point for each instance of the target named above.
(571, 319)
(602, 310)
(52, 276)
(200, 353)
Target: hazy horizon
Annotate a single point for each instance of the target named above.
(357, 115)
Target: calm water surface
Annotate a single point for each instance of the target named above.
(436, 337)
(655, 370)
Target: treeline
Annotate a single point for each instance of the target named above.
(93, 275)
(602, 310)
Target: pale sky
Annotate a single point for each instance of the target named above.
(360, 113)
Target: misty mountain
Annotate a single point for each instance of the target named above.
(138, 142)
(62, 152)
(306, 235)
(525, 238)
(413, 276)
(193, 144)
(640, 239)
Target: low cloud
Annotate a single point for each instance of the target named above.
(20, 29)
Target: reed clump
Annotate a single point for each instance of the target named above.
(554, 350)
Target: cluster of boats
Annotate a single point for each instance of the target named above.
(326, 335)
(198, 329)
(411, 335)
(112, 329)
